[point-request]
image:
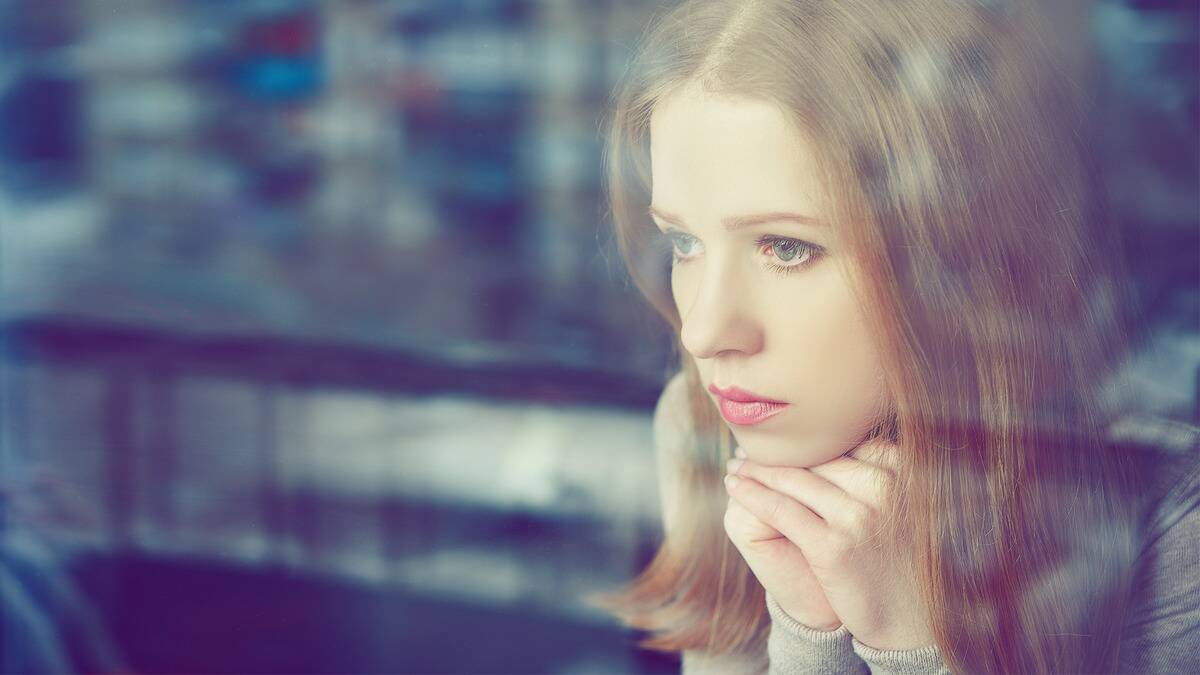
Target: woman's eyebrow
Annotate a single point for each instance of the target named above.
(735, 222)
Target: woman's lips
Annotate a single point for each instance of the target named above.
(749, 412)
(739, 406)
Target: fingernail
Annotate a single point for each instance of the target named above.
(731, 482)
(733, 465)
(740, 452)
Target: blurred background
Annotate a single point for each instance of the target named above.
(315, 350)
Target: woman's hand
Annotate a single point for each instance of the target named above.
(830, 520)
(780, 567)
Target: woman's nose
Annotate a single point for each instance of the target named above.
(719, 316)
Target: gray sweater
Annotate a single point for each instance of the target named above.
(1162, 634)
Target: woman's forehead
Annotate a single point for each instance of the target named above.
(731, 155)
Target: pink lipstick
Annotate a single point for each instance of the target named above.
(746, 408)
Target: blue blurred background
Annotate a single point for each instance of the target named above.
(316, 351)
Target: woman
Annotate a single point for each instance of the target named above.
(879, 219)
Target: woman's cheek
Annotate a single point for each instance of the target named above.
(838, 391)
(857, 400)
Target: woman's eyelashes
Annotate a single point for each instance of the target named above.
(792, 254)
(676, 241)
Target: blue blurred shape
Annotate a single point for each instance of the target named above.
(277, 78)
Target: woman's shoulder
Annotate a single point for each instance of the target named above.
(1175, 495)
(1164, 616)
(672, 422)
(1168, 452)
(672, 419)
(671, 415)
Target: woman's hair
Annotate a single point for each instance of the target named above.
(957, 173)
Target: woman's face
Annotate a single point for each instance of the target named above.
(765, 302)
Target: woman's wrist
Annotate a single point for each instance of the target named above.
(799, 620)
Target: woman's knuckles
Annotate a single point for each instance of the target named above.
(774, 509)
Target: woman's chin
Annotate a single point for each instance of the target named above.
(802, 453)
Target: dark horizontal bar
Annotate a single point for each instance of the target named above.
(303, 362)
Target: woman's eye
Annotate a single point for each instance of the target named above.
(793, 253)
(682, 245)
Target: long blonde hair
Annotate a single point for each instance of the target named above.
(957, 170)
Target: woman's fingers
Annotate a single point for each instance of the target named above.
(790, 517)
(822, 497)
(841, 497)
(744, 528)
(864, 481)
(863, 473)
